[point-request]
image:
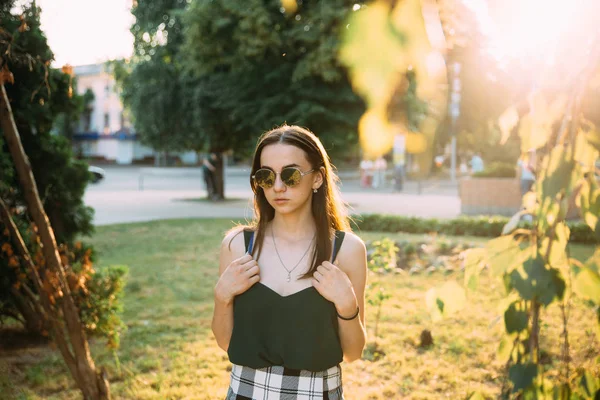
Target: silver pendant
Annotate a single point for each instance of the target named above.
(289, 277)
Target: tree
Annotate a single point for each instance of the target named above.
(80, 105)
(49, 288)
(260, 66)
(153, 83)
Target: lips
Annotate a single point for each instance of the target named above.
(281, 200)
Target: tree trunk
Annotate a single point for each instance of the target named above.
(220, 177)
(29, 309)
(92, 384)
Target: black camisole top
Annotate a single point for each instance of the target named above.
(299, 331)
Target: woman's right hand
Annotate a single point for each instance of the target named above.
(238, 277)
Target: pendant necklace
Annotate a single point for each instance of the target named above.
(289, 271)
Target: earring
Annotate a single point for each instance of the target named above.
(315, 190)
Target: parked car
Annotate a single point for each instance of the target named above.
(97, 173)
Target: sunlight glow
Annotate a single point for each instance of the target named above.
(530, 30)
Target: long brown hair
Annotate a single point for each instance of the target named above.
(328, 211)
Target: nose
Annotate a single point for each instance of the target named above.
(279, 186)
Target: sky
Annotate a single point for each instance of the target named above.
(86, 31)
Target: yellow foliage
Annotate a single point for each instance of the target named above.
(7, 248)
(13, 262)
(416, 143)
(290, 6)
(375, 133)
(507, 121)
(543, 115)
(380, 44)
(373, 54)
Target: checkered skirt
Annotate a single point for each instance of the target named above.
(280, 383)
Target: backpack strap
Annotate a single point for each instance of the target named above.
(248, 241)
(337, 244)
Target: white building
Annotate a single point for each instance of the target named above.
(106, 134)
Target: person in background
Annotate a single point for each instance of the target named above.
(477, 163)
(380, 167)
(463, 168)
(209, 169)
(526, 171)
(366, 173)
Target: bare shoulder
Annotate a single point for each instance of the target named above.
(353, 253)
(233, 242)
(232, 247)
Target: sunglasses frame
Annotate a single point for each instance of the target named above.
(302, 175)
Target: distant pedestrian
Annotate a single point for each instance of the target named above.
(208, 171)
(477, 164)
(463, 168)
(526, 169)
(366, 173)
(380, 168)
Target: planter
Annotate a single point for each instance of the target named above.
(489, 196)
(497, 196)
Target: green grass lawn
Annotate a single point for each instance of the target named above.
(168, 350)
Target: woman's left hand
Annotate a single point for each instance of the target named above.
(334, 285)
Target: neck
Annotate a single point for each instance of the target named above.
(296, 226)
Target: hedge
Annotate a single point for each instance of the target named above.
(481, 226)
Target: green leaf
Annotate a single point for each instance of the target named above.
(505, 253)
(589, 203)
(445, 300)
(515, 318)
(558, 252)
(588, 384)
(475, 396)
(593, 137)
(522, 375)
(534, 280)
(474, 262)
(560, 174)
(585, 153)
(562, 392)
(504, 349)
(587, 284)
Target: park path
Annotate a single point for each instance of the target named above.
(118, 199)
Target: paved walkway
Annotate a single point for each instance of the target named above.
(118, 199)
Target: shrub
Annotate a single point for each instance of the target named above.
(498, 170)
(482, 226)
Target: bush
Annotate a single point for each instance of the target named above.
(497, 170)
(483, 226)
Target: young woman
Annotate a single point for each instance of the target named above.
(289, 302)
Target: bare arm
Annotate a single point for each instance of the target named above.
(209, 165)
(353, 261)
(344, 286)
(237, 273)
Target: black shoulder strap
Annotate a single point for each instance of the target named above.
(337, 243)
(248, 241)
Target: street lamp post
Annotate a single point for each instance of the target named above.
(454, 112)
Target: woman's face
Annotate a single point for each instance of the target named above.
(282, 198)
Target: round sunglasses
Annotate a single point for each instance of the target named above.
(290, 176)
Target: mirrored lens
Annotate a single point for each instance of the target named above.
(264, 178)
(291, 176)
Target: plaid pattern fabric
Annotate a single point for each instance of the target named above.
(280, 383)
